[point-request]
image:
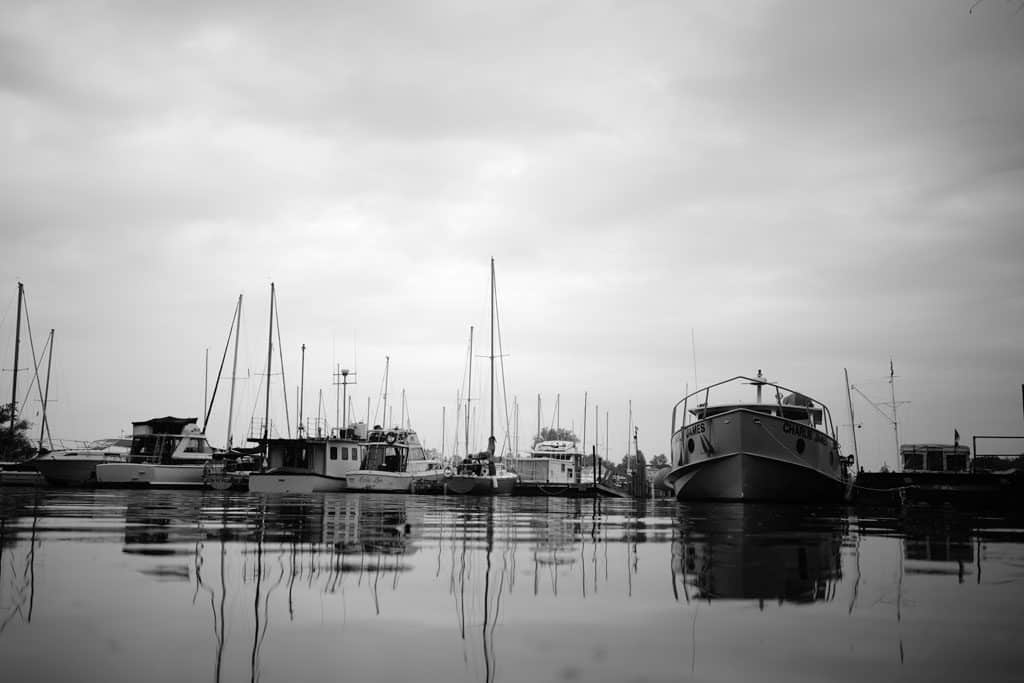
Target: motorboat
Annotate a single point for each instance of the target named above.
(777, 448)
(77, 466)
(311, 465)
(165, 451)
(394, 460)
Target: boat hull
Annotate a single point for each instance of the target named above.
(397, 482)
(753, 477)
(146, 474)
(68, 472)
(480, 485)
(294, 482)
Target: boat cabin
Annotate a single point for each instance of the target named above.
(391, 450)
(808, 415)
(329, 457)
(934, 457)
(167, 440)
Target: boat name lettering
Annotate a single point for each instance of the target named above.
(804, 432)
(697, 428)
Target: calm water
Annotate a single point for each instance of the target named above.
(211, 586)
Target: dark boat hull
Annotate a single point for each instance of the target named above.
(754, 477)
(480, 485)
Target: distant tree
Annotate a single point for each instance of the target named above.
(555, 434)
(14, 446)
(659, 460)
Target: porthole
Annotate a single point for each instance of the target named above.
(689, 446)
(800, 445)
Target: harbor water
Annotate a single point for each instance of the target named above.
(123, 585)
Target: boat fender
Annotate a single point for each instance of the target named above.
(447, 472)
(390, 437)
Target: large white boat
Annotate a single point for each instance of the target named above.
(77, 466)
(394, 461)
(780, 449)
(311, 465)
(166, 451)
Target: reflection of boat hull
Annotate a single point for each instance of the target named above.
(147, 474)
(752, 476)
(378, 480)
(481, 485)
(758, 552)
(284, 481)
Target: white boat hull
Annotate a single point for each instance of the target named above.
(294, 482)
(146, 474)
(400, 482)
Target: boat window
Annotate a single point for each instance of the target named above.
(334, 452)
(193, 445)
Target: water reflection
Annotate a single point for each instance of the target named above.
(230, 586)
(757, 552)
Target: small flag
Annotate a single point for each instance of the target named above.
(956, 436)
(891, 371)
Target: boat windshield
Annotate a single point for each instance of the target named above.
(384, 458)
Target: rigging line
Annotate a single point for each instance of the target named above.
(284, 384)
(35, 362)
(223, 358)
(507, 441)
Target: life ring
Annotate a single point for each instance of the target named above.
(447, 472)
(391, 437)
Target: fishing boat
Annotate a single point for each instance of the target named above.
(783, 449)
(77, 466)
(394, 461)
(482, 474)
(166, 451)
(311, 465)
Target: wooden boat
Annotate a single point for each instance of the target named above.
(783, 449)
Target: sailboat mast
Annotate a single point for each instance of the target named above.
(302, 390)
(270, 359)
(14, 371)
(469, 387)
(234, 368)
(489, 443)
(387, 367)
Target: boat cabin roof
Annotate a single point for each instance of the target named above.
(789, 412)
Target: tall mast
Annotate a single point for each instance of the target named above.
(469, 387)
(490, 440)
(387, 367)
(14, 375)
(234, 368)
(302, 389)
(270, 359)
(895, 422)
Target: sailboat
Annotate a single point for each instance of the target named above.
(480, 475)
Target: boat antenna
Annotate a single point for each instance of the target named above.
(895, 421)
(234, 370)
(469, 387)
(302, 389)
(45, 428)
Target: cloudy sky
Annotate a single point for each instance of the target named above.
(673, 193)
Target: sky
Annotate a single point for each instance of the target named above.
(673, 193)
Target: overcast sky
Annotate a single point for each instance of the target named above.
(673, 193)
